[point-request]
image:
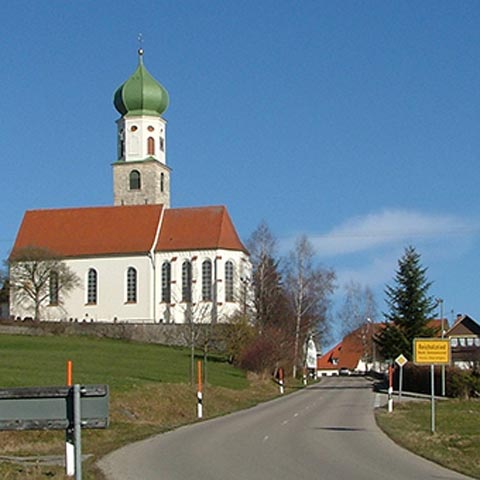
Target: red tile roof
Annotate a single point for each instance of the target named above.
(77, 232)
(350, 350)
(198, 228)
(329, 359)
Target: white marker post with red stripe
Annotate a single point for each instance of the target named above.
(69, 437)
(281, 377)
(390, 389)
(199, 390)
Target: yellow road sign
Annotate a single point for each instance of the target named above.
(431, 351)
(401, 360)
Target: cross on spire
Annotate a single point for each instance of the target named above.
(140, 44)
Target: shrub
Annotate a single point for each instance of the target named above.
(268, 351)
(458, 383)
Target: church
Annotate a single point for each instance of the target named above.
(140, 261)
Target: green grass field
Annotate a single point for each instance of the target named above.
(29, 361)
(150, 392)
(456, 441)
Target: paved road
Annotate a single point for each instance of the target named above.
(325, 432)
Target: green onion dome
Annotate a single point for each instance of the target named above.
(141, 94)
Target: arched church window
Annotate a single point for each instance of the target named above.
(135, 180)
(150, 146)
(166, 282)
(53, 288)
(92, 286)
(207, 281)
(229, 278)
(186, 281)
(131, 285)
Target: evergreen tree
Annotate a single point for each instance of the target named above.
(4, 288)
(410, 308)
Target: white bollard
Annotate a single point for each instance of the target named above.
(390, 399)
(199, 405)
(69, 454)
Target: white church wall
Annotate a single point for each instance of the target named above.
(112, 305)
(111, 302)
(202, 311)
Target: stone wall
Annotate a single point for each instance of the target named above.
(178, 335)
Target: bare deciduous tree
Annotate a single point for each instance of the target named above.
(309, 288)
(358, 307)
(38, 275)
(271, 307)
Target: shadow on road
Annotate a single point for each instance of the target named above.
(342, 387)
(341, 429)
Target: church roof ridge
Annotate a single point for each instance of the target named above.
(198, 228)
(83, 231)
(129, 229)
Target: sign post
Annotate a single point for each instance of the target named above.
(401, 360)
(56, 408)
(432, 351)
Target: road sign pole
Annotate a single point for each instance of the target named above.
(400, 384)
(432, 375)
(401, 361)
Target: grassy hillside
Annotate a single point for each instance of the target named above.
(150, 392)
(124, 366)
(456, 441)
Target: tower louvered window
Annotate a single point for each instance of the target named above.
(151, 146)
(135, 180)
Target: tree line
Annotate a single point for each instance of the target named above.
(291, 299)
(286, 301)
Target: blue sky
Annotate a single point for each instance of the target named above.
(356, 123)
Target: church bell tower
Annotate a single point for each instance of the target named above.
(141, 174)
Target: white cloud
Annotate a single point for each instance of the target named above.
(366, 248)
(375, 272)
(389, 228)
